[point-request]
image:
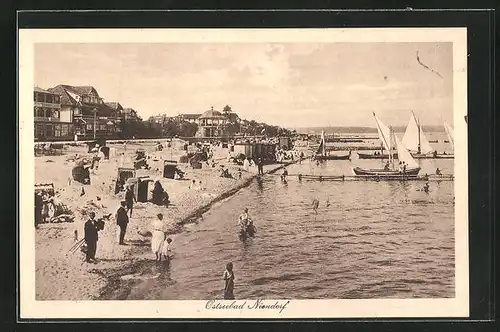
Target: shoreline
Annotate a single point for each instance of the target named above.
(61, 275)
(113, 275)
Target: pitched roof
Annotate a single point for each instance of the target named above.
(37, 89)
(190, 115)
(65, 98)
(128, 110)
(114, 105)
(211, 114)
(82, 90)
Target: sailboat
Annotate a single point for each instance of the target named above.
(321, 153)
(388, 138)
(415, 141)
(449, 133)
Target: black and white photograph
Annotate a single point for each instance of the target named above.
(243, 173)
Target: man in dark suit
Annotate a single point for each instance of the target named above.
(91, 236)
(129, 199)
(122, 220)
(260, 166)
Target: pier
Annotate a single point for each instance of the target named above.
(309, 177)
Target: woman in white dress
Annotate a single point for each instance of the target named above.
(246, 164)
(158, 236)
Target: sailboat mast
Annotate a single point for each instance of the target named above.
(419, 131)
(391, 159)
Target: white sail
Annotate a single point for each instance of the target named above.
(404, 155)
(415, 137)
(449, 132)
(384, 134)
(322, 145)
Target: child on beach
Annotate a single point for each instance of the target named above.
(229, 282)
(166, 250)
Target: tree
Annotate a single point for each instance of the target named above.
(187, 129)
(227, 110)
(232, 128)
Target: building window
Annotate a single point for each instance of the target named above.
(89, 126)
(77, 111)
(55, 114)
(39, 130)
(57, 130)
(49, 130)
(64, 130)
(102, 127)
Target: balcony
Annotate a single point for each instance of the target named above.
(45, 119)
(47, 105)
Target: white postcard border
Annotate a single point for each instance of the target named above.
(30, 308)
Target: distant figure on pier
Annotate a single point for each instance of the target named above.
(426, 187)
(315, 205)
(387, 166)
(438, 172)
(229, 282)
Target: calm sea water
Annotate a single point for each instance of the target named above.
(368, 240)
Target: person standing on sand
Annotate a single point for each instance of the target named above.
(158, 236)
(129, 199)
(166, 249)
(91, 237)
(229, 282)
(122, 221)
(260, 166)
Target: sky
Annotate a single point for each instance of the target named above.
(289, 84)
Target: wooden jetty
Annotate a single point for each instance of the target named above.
(309, 177)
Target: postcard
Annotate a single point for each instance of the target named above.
(243, 173)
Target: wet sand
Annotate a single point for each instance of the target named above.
(62, 275)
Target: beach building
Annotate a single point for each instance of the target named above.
(87, 111)
(189, 117)
(50, 122)
(115, 106)
(129, 114)
(211, 124)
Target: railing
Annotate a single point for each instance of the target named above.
(45, 119)
(47, 105)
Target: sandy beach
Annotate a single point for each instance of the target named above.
(62, 275)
